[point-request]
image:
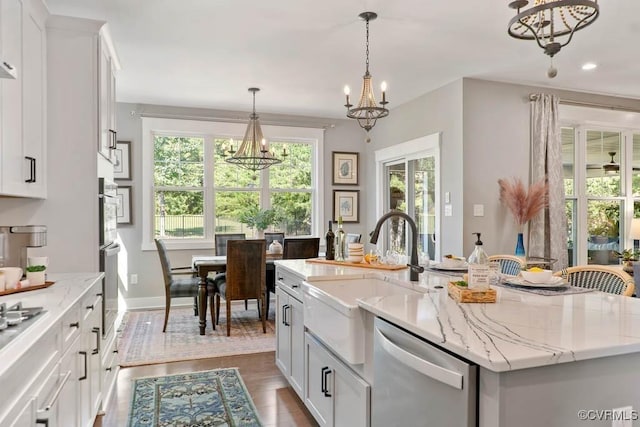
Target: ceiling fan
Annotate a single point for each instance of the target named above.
(611, 167)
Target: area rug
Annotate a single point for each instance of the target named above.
(142, 342)
(209, 398)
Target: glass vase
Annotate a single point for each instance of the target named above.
(520, 252)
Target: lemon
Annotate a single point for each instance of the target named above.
(535, 270)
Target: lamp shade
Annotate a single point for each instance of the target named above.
(634, 233)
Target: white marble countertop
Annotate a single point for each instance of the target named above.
(56, 300)
(521, 330)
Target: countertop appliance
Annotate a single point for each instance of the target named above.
(109, 249)
(14, 241)
(415, 383)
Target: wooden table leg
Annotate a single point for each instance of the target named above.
(202, 302)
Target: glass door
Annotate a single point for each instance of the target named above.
(410, 187)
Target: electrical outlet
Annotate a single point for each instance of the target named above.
(622, 417)
(134, 279)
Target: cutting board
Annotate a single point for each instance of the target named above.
(357, 264)
(26, 288)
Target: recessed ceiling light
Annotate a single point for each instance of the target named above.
(589, 66)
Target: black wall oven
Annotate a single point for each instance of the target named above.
(109, 249)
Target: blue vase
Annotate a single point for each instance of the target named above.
(520, 246)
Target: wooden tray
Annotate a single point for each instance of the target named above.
(463, 294)
(357, 264)
(27, 288)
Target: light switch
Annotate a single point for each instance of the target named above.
(478, 210)
(447, 197)
(448, 210)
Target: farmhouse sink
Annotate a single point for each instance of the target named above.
(331, 312)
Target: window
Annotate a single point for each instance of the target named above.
(601, 166)
(191, 193)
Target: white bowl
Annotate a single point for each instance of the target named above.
(355, 258)
(453, 262)
(537, 276)
(12, 276)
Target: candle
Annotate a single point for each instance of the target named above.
(347, 91)
(383, 87)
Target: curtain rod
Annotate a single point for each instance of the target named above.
(534, 97)
(236, 120)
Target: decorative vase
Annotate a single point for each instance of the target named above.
(520, 252)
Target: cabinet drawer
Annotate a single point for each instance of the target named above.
(110, 370)
(290, 281)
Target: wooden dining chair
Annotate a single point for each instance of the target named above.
(599, 277)
(222, 239)
(176, 287)
(301, 248)
(244, 279)
(509, 264)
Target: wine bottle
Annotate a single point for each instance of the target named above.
(330, 244)
(340, 242)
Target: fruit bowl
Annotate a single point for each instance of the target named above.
(542, 276)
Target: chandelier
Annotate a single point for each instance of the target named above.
(253, 153)
(551, 23)
(367, 111)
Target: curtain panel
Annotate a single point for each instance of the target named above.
(548, 231)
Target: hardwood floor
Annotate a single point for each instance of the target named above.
(276, 402)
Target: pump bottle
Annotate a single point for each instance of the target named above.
(479, 267)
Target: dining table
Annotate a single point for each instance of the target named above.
(202, 265)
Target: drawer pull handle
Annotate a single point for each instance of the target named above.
(280, 278)
(108, 369)
(115, 351)
(97, 332)
(43, 421)
(74, 325)
(56, 394)
(9, 67)
(84, 377)
(90, 307)
(325, 373)
(295, 286)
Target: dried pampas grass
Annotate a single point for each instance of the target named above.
(523, 203)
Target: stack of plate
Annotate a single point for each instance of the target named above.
(356, 252)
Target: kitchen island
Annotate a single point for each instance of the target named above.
(541, 359)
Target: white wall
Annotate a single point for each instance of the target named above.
(340, 135)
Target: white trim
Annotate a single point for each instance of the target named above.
(151, 125)
(428, 145)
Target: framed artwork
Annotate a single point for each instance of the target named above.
(123, 194)
(347, 205)
(122, 160)
(345, 168)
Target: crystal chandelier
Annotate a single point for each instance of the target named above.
(367, 111)
(551, 23)
(253, 153)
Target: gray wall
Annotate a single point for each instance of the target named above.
(340, 135)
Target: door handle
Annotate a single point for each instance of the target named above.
(323, 387)
(43, 421)
(286, 317)
(97, 332)
(113, 134)
(325, 374)
(32, 169)
(84, 377)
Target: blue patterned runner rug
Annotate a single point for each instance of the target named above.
(209, 398)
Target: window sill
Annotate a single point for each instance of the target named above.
(179, 244)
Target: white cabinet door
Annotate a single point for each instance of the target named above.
(106, 104)
(25, 417)
(34, 103)
(334, 394)
(90, 376)
(283, 333)
(296, 378)
(68, 409)
(12, 161)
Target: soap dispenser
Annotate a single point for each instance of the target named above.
(478, 267)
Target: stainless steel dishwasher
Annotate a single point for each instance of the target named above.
(418, 384)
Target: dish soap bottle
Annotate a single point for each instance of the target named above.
(340, 242)
(330, 242)
(479, 267)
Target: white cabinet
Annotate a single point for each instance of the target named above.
(90, 340)
(23, 99)
(107, 99)
(110, 366)
(290, 339)
(334, 395)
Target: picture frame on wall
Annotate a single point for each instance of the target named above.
(346, 204)
(345, 168)
(123, 194)
(122, 160)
